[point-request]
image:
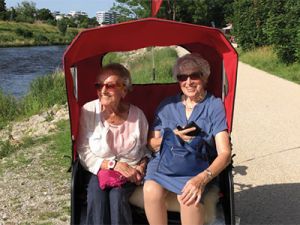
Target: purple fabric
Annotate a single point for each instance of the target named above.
(110, 178)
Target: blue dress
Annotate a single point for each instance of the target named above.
(209, 115)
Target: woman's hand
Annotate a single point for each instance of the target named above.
(193, 189)
(182, 133)
(129, 172)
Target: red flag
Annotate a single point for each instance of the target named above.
(155, 7)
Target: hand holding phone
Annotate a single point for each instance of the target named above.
(195, 132)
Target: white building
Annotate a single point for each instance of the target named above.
(106, 17)
(77, 13)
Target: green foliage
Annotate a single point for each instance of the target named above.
(61, 146)
(44, 92)
(248, 23)
(26, 33)
(204, 12)
(192, 11)
(26, 12)
(62, 26)
(11, 14)
(141, 65)
(266, 22)
(2, 6)
(131, 9)
(112, 57)
(3, 12)
(20, 34)
(44, 14)
(265, 58)
(9, 108)
(6, 148)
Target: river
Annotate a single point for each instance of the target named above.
(20, 65)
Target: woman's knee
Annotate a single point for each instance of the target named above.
(153, 191)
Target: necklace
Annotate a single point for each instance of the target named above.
(199, 99)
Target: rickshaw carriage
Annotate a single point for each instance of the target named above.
(83, 61)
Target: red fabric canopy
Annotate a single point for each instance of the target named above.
(87, 49)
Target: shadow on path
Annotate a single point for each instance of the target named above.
(269, 204)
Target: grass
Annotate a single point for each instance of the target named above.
(25, 34)
(141, 67)
(265, 59)
(59, 145)
(44, 92)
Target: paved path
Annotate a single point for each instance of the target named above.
(266, 141)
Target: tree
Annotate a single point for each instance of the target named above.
(93, 22)
(131, 9)
(267, 22)
(11, 14)
(191, 11)
(26, 12)
(62, 26)
(2, 10)
(44, 14)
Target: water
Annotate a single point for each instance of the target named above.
(19, 66)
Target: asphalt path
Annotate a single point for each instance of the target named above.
(266, 141)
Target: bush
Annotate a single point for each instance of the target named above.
(9, 108)
(6, 38)
(62, 26)
(267, 22)
(40, 39)
(24, 32)
(44, 92)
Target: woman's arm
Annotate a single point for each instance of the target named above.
(224, 155)
(89, 160)
(191, 193)
(154, 140)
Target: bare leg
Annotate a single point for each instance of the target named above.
(155, 206)
(192, 215)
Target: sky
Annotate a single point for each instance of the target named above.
(65, 6)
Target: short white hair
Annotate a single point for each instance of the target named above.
(194, 60)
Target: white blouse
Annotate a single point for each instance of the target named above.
(99, 140)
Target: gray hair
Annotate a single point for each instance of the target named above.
(194, 60)
(119, 70)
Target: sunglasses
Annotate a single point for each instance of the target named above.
(192, 76)
(108, 86)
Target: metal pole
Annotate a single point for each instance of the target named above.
(153, 64)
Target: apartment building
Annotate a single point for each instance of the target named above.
(106, 17)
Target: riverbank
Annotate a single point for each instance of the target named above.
(34, 179)
(14, 34)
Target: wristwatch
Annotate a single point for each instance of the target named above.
(111, 164)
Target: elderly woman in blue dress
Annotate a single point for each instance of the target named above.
(196, 105)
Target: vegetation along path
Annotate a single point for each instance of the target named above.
(34, 182)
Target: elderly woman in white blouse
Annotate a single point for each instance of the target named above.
(112, 147)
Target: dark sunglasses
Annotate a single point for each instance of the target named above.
(192, 76)
(108, 86)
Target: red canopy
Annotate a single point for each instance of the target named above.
(87, 49)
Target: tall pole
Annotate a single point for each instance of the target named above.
(153, 64)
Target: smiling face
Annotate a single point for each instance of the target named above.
(192, 82)
(110, 89)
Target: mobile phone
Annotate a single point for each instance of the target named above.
(191, 133)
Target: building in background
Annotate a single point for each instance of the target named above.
(77, 13)
(106, 17)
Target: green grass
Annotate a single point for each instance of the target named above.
(44, 92)
(141, 68)
(6, 149)
(59, 145)
(265, 59)
(26, 34)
